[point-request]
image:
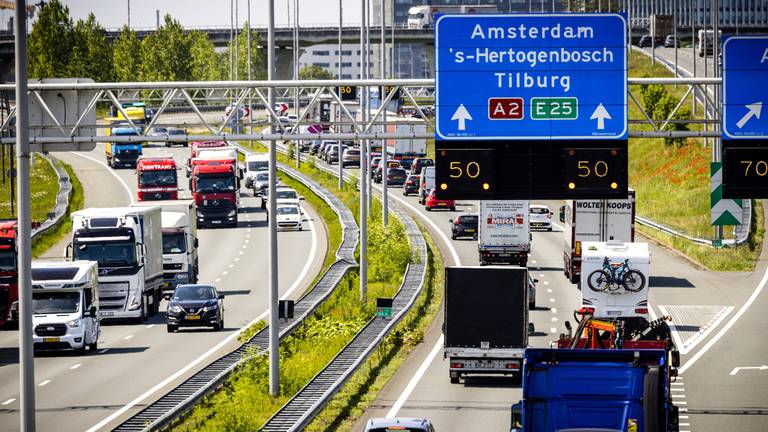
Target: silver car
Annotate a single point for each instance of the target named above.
(399, 424)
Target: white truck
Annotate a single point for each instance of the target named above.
(403, 149)
(65, 305)
(426, 182)
(180, 243)
(504, 232)
(255, 164)
(615, 278)
(422, 17)
(594, 220)
(128, 245)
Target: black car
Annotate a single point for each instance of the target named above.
(177, 132)
(396, 176)
(645, 41)
(315, 147)
(411, 185)
(420, 163)
(195, 306)
(464, 226)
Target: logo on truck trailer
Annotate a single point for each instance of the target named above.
(602, 204)
(517, 219)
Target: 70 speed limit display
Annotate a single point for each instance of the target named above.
(745, 169)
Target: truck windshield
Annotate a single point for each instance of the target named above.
(258, 166)
(416, 16)
(55, 302)
(215, 183)
(174, 243)
(157, 178)
(108, 254)
(7, 260)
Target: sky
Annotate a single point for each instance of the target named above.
(207, 13)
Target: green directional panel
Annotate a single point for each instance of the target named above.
(556, 108)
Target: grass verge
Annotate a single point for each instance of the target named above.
(44, 187)
(45, 241)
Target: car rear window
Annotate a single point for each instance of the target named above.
(425, 162)
(468, 219)
(396, 171)
(539, 210)
(398, 429)
(353, 152)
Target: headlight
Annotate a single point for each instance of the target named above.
(74, 323)
(231, 213)
(134, 304)
(175, 309)
(180, 276)
(211, 307)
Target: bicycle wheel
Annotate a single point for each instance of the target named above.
(599, 280)
(633, 281)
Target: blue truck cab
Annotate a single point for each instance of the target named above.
(123, 153)
(617, 390)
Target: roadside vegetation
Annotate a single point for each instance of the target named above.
(44, 187)
(45, 241)
(671, 178)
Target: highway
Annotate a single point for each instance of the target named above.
(135, 364)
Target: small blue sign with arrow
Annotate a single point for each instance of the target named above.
(745, 87)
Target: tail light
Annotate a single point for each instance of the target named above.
(578, 248)
(457, 365)
(641, 310)
(585, 310)
(513, 366)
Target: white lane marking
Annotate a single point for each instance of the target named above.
(231, 265)
(553, 330)
(240, 253)
(558, 226)
(552, 300)
(683, 417)
(224, 273)
(727, 326)
(150, 325)
(111, 171)
(696, 340)
(533, 261)
(541, 275)
(232, 336)
(549, 290)
(553, 319)
(237, 259)
(677, 384)
(9, 401)
(75, 366)
(102, 351)
(416, 378)
(217, 280)
(681, 403)
(128, 337)
(677, 389)
(553, 310)
(44, 383)
(678, 396)
(246, 240)
(248, 235)
(546, 282)
(684, 424)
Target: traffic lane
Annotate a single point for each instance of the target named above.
(130, 354)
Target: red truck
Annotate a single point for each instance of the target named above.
(215, 189)
(157, 179)
(195, 146)
(9, 287)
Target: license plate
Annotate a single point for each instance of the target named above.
(469, 230)
(106, 314)
(441, 204)
(216, 222)
(614, 312)
(51, 339)
(505, 255)
(193, 317)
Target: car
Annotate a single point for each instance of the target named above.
(432, 202)
(374, 165)
(195, 305)
(260, 183)
(177, 132)
(158, 131)
(283, 195)
(464, 225)
(332, 154)
(670, 41)
(540, 216)
(351, 156)
(645, 41)
(315, 147)
(289, 217)
(420, 163)
(532, 292)
(401, 424)
(411, 185)
(395, 176)
(323, 145)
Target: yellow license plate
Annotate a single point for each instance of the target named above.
(193, 317)
(51, 339)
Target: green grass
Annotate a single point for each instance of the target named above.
(45, 241)
(672, 184)
(44, 187)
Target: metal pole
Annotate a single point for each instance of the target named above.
(231, 34)
(677, 12)
(237, 41)
(629, 30)
(24, 226)
(367, 89)
(716, 143)
(694, 18)
(341, 58)
(296, 76)
(274, 331)
(382, 62)
(248, 53)
(129, 13)
(706, 73)
(364, 178)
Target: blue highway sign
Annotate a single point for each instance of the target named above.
(531, 76)
(745, 87)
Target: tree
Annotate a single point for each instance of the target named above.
(126, 56)
(91, 53)
(204, 62)
(50, 42)
(258, 65)
(314, 72)
(165, 54)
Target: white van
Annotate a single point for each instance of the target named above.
(426, 182)
(615, 278)
(255, 163)
(65, 305)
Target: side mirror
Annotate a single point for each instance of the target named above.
(674, 358)
(167, 296)
(535, 281)
(301, 197)
(93, 312)
(67, 250)
(531, 329)
(562, 214)
(517, 417)
(196, 242)
(220, 297)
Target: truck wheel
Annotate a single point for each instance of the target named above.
(651, 386)
(455, 379)
(80, 351)
(93, 347)
(263, 204)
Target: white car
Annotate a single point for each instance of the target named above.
(289, 217)
(260, 182)
(283, 195)
(540, 217)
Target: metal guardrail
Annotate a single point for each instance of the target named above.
(174, 404)
(62, 199)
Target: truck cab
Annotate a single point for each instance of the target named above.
(157, 179)
(65, 305)
(125, 154)
(196, 146)
(255, 164)
(9, 284)
(214, 185)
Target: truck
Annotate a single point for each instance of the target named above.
(157, 178)
(596, 390)
(255, 164)
(426, 182)
(195, 146)
(594, 220)
(486, 320)
(9, 283)
(423, 17)
(661, 27)
(215, 189)
(705, 41)
(180, 243)
(504, 232)
(128, 245)
(136, 112)
(403, 149)
(614, 279)
(65, 306)
(124, 154)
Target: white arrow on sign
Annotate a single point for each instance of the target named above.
(462, 115)
(737, 369)
(753, 111)
(601, 114)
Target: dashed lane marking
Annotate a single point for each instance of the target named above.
(75, 366)
(217, 280)
(231, 265)
(150, 326)
(552, 300)
(553, 310)
(105, 350)
(44, 383)
(9, 401)
(553, 330)
(128, 337)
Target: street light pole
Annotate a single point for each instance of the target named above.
(364, 178)
(297, 147)
(274, 331)
(384, 169)
(24, 227)
(340, 68)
